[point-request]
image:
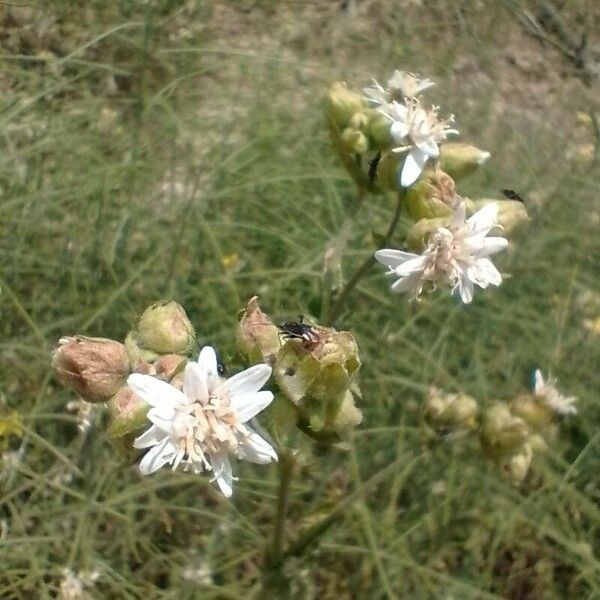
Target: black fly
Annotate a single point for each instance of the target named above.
(298, 330)
(512, 195)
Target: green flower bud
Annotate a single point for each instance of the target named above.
(137, 354)
(450, 412)
(94, 368)
(386, 175)
(512, 214)
(459, 160)
(516, 466)
(341, 105)
(127, 413)
(418, 234)
(165, 328)
(258, 338)
(354, 141)
(503, 433)
(316, 375)
(377, 128)
(536, 414)
(433, 196)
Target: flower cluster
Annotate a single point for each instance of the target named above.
(509, 432)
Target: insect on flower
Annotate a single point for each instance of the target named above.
(299, 330)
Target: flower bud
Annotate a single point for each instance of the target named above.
(459, 159)
(503, 433)
(165, 328)
(418, 234)
(127, 413)
(138, 356)
(433, 196)
(354, 141)
(341, 105)
(258, 338)
(316, 374)
(170, 368)
(94, 368)
(450, 412)
(512, 214)
(536, 414)
(377, 128)
(387, 171)
(516, 465)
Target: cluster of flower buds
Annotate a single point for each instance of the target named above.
(97, 369)
(314, 368)
(388, 140)
(509, 433)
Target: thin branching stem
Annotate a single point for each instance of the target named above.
(364, 268)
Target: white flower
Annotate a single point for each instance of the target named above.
(418, 132)
(456, 255)
(202, 425)
(547, 393)
(73, 585)
(400, 85)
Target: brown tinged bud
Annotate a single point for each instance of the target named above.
(165, 328)
(94, 368)
(418, 235)
(433, 196)
(127, 413)
(257, 336)
(316, 373)
(139, 357)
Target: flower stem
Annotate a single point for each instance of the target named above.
(286, 470)
(364, 268)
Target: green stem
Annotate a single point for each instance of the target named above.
(331, 271)
(364, 267)
(286, 470)
(274, 582)
(314, 532)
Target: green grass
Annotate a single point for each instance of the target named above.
(136, 156)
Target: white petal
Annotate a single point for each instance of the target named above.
(249, 405)
(393, 258)
(399, 130)
(410, 283)
(257, 450)
(465, 288)
(222, 470)
(490, 246)
(429, 147)
(162, 419)
(207, 365)
(155, 391)
(484, 219)
(194, 385)
(459, 216)
(539, 381)
(413, 165)
(414, 265)
(156, 457)
(152, 436)
(248, 381)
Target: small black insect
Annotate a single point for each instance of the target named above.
(299, 330)
(512, 195)
(373, 164)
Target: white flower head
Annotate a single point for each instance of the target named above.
(401, 85)
(200, 426)
(546, 392)
(456, 255)
(417, 132)
(73, 585)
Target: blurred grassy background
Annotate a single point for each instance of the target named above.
(177, 149)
